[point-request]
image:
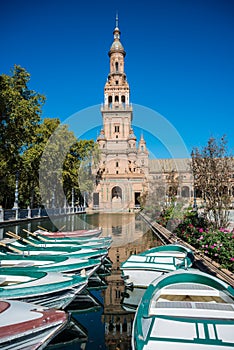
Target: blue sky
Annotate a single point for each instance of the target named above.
(179, 62)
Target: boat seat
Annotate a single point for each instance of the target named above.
(25, 264)
(189, 286)
(2, 280)
(192, 305)
(167, 254)
(162, 260)
(14, 279)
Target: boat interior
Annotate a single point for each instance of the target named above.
(175, 254)
(190, 293)
(11, 280)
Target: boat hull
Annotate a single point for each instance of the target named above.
(139, 277)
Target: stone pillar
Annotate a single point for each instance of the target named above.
(1, 214)
(29, 216)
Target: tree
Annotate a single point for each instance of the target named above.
(20, 111)
(77, 172)
(29, 184)
(60, 165)
(211, 167)
(37, 149)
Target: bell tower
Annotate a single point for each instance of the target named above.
(120, 178)
(116, 90)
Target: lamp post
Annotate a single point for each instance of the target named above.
(73, 198)
(194, 196)
(194, 200)
(16, 202)
(84, 200)
(53, 198)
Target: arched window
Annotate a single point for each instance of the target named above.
(185, 192)
(117, 66)
(116, 192)
(123, 100)
(116, 98)
(110, 101)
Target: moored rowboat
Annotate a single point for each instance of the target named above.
(49, 289)
(61, 244)
(25, 326)
(141, 269)
(77, 233)
(72, 240)
(9, 245)
(50, 263)
(185, 310)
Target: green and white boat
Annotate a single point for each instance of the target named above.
(74, 240)
(33, 242)
(40, 240)
(51, 263)
(184, 310)
(85, 233)
(141, 269)
(49, 289)
(9, 245)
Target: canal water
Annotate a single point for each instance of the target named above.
(102, 321)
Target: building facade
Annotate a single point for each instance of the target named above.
(124, 164)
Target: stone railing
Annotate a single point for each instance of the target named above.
(7, 215)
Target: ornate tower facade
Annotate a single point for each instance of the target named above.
(123, 167)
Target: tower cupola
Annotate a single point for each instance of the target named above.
(117, 45)
(116, 91)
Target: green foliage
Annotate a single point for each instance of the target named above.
(35, 149)
(171, 215)
(77, 172)
(20, 110)
(29, 175)
(60, 165)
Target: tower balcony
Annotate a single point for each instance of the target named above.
(118, 152)
(116, 107)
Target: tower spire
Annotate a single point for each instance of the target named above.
(117, 20)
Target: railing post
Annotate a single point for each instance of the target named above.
(29, 212)
(1, 214)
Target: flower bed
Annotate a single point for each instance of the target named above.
(217, 244)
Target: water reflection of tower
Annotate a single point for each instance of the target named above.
(118, 323)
